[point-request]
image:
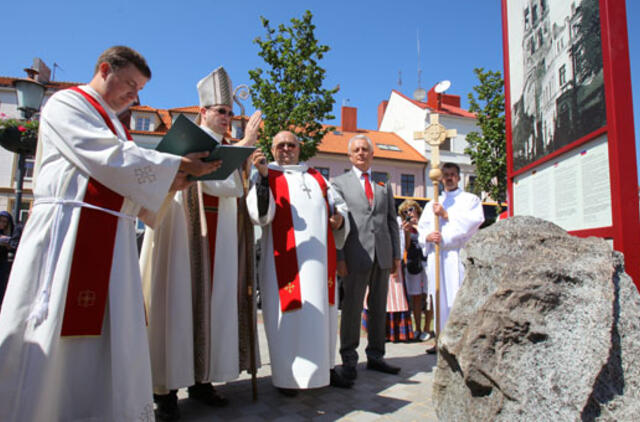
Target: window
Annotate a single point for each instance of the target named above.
(446, 145)
(407, 184)
(324, 171)
(534, 14)
(379, 177)
(29, 163)
(388, 147)
(470, 183)
(562, 74)
(25, 205)
(526, 18)
(143, 123)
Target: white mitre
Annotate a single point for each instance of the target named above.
(215, 89)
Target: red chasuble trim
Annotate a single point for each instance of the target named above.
(284, 244)
(211, 216)
(331, 244)
(88, 286)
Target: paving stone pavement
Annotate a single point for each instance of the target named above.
(374, 397)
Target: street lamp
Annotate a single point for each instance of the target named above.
(30, 94)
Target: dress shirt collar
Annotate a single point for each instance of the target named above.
(359, 172)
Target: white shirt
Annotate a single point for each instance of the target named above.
(360, 175)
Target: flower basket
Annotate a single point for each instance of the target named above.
(19, 136)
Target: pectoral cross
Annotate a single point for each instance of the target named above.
(435, 134)
(306, 189)
(290, 287)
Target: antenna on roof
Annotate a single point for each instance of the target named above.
(55, 65)
(419, 94)
(399, 77)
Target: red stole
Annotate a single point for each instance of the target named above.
(90, 272)
(210, 203)
(284, 244)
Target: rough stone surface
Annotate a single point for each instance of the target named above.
(544, 328)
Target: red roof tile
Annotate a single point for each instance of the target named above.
(190, 109)
(55, 85)
(336, 142)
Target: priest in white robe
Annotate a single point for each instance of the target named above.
(460, 215)
(189, 268)
(303, 221)
(72, 326)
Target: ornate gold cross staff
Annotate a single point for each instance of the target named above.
(435, 134)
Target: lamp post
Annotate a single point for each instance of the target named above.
(30, 94)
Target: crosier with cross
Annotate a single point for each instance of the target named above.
(435, 134)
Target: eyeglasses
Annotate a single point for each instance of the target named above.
(290, 145)
(409, 210)
(223, 112)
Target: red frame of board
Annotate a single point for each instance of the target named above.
(625, 230)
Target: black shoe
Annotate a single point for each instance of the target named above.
(348, 372)
(167, 406)
(288, 392)
(337, 380)
(431, 350)
(382, 366)
(206, 394)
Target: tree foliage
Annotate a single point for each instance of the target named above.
(289, 90)
(589, 54)
(488, 148)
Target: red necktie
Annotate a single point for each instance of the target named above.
(367, 188)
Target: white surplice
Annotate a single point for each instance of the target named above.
(465, 217)
(46, 377)
(166, 285)
(166, 275)
(302, 343)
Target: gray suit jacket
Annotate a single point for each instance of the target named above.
(374, 230)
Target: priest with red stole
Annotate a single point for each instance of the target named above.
(72, 327)
(189, 266)
(303, 220)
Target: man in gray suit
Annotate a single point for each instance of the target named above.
(371, 252)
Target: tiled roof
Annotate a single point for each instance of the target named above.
(395, 148)
(444, 108)
(143, 108)
(54, 85)
(190, 109)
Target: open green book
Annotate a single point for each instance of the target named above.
(186, 137)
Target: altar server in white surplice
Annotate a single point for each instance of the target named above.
(460, 216)
(189, 268)
(72, 327)
(303, 221)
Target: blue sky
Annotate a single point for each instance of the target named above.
(371, 42)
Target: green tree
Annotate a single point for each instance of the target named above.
(588, 52)
(488, 148)
(289, 91)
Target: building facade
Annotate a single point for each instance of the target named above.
(404, 116)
